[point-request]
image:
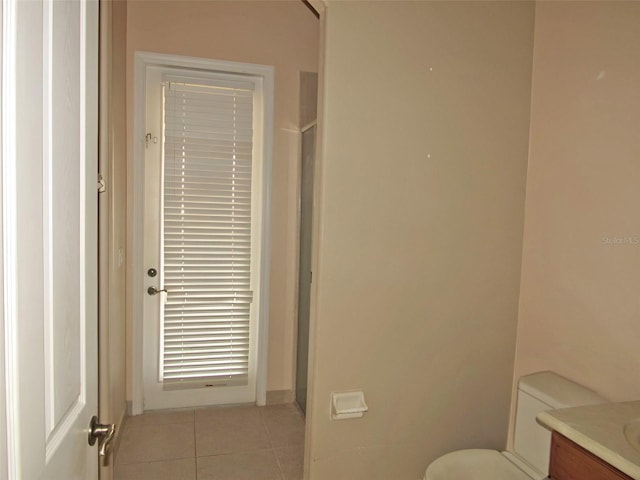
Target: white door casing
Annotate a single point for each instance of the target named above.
(49, 238)
(147, 216)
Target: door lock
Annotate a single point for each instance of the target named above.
(102, 432)
(155, 291)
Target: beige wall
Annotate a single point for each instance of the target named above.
(118, 195)
(420, 216)
(279, 33)
(579, 308)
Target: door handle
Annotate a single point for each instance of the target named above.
(155, 291)
(102, 432)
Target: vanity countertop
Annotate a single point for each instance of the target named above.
(600, 429)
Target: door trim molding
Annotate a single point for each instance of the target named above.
(9, 457)
(143, 60)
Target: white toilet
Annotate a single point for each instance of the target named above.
(537, 392)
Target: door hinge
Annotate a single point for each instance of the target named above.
(102, 185)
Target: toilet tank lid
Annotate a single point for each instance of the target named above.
(558, 391)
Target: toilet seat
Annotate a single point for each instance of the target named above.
(475, 464)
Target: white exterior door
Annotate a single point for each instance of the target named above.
(49, 127)
(205, 156)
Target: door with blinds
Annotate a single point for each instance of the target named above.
(204, 207)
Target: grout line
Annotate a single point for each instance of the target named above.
(279, 464)
(158, 460)
(195, 447)
(266, 428)
(243, 452)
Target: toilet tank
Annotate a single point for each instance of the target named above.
(537, 393)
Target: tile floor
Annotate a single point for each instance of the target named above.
(234, 443)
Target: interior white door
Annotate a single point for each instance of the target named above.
(50, 236)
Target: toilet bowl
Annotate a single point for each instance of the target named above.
(529, 460)
(475, 464)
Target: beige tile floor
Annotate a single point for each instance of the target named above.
(235, 443)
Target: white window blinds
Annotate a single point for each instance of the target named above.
(207, 231)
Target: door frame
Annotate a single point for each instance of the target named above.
(111, 289)
(142, 60)
(9, 453)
